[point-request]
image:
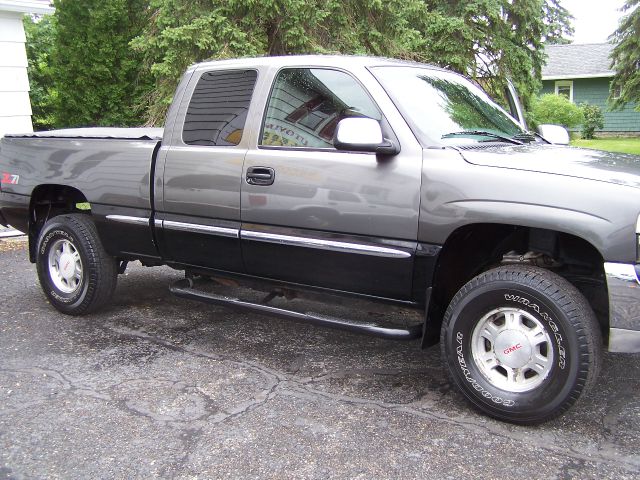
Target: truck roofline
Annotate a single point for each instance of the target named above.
(318, 60)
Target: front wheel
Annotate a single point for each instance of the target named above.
(521, 343)
(75, 272)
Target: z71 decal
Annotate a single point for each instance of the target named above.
(9, 178)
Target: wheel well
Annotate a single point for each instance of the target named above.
(48, 201)
(473, 249)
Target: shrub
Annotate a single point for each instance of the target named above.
(556, 110)
(593, 119)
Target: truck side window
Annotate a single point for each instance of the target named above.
(306, 104)
(218, 108)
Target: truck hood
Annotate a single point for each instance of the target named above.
(619, 168)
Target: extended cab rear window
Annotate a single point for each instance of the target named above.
(218, 108)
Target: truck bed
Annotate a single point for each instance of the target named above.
(96, 133)
(111, 167)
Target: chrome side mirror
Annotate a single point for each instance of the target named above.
(362, 134)
(555, 134)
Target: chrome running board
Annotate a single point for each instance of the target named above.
(185, 288)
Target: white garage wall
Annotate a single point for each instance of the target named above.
(10, 31)
(11, 79)
(15, 106)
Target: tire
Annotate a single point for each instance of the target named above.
(75, 272)
(521, 343)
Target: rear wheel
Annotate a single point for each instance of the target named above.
(75, 272)
(521, 343)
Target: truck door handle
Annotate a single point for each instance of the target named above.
(260, 176)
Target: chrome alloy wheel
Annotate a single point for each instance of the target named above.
(512, 349)
(65, 266)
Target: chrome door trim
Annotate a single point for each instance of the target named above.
(199, 228)
(128, 219)
(320, 244)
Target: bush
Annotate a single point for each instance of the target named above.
(593, 119)
(556, 110)
(40, 32)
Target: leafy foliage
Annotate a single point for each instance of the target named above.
(95, 72)
(182, 32)
(40, 33)
(593, 119)
(556, 110)
(117, 61)
(488, 39)
(466, 109)
(506, 39)
(626, 57)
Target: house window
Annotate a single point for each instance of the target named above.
(616, 92)
(565, 87)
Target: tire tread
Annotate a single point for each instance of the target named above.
(567, 298)
(102, 269)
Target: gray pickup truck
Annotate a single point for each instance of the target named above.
(390, 181)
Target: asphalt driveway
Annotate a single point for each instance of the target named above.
(157, 386)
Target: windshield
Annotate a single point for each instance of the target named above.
(444, 108)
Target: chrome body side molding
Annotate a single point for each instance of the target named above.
(199, 228)
(321, 244)
(128, 219)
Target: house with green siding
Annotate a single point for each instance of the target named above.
(582, 72)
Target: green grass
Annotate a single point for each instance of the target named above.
(624, 145)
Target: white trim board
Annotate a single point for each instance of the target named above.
(579, 75)
(41, 7)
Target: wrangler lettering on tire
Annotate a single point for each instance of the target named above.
(521, 343)
(75, 272)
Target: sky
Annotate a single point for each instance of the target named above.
(594, 20)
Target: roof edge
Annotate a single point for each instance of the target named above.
(579, 75)
(302, 60)
(559, 45)
(26, 6)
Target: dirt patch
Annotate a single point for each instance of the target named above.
(11, 244)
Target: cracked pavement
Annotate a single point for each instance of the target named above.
(156, 386)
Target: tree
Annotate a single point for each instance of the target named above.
(556, 110)
(95, 72)
(182, 32)
(559, 23)
(486, 39)
(626, 57)
(593, 119)
(40, 33)
(505, 39)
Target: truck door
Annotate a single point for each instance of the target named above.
(318, 216)
(198, 205)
